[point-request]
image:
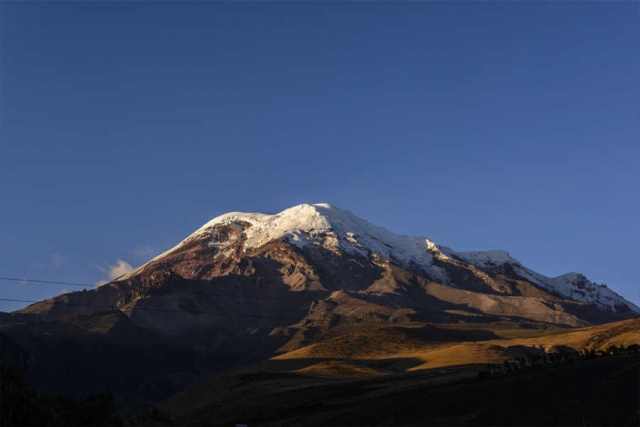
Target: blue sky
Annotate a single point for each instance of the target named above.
(482, 125)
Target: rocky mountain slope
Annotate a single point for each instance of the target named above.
(320, 265)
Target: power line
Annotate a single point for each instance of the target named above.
(269, 316)
(14, 279)
(110, 307)
(265, 298)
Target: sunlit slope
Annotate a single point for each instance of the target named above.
(357, 351)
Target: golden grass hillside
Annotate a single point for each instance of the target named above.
(363, 353)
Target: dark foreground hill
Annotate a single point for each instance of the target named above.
(602, 391)
(20, 405)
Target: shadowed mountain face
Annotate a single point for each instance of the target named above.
(266, 283)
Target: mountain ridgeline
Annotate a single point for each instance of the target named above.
(317, 266)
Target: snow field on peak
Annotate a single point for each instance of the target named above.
(571, 285)
(486, 258)
(578, 287)
(330, 227)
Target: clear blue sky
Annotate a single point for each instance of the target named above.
(482, 125)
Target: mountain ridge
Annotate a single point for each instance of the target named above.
(335, 229)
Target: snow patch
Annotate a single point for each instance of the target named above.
(486, 258)
(572, 285)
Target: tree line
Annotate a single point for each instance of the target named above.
(20, 405)
(542, 358)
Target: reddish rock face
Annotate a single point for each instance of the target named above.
(205, 258)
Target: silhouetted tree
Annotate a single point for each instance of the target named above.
(633, 348)
(482, 374)
(21, 406)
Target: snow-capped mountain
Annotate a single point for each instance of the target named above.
(345, 234)
(306, 225)
(312, 267)
(247, 286)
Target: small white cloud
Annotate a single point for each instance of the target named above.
(121, 267)
(114, 271)
(22, 283)
(65, 290)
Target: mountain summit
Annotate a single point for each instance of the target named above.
(320, 225)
